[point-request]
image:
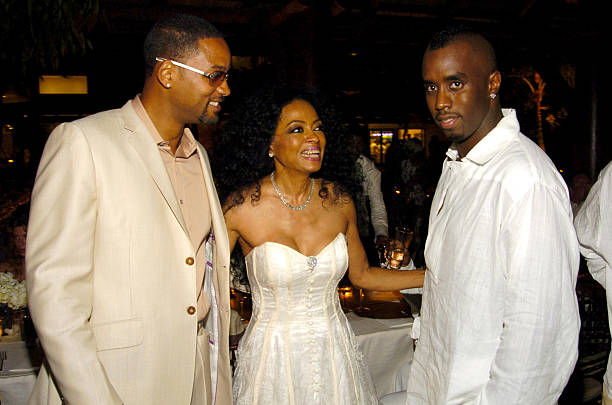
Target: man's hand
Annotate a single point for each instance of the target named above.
(381, 240)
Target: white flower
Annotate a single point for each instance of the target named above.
(12, 292)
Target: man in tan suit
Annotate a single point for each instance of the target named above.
(128, 257)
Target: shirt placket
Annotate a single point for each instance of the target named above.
(447, 190)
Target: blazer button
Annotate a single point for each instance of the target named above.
(191, 310)
(189, 261)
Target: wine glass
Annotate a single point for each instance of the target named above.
(362, 308)
(396, 250)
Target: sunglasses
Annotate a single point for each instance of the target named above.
(215, 78)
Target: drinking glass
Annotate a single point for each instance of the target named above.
(396, 250)
(362, 308)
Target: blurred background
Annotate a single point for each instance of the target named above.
(64, 59)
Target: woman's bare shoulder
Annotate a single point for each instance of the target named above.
(252, 206)
(239, 199)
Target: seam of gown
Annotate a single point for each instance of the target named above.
(286, 328)
(348, 345)
(329, 328)
(263, 354)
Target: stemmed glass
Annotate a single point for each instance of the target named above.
(362, 308)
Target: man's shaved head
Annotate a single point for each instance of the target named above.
(480, 46)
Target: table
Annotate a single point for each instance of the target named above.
(387, 348)
(18, 373)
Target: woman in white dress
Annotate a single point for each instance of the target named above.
(285, 178)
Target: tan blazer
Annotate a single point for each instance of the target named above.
(110, 286)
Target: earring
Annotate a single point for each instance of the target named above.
(168, 85)
(270, 154)
(492, 95)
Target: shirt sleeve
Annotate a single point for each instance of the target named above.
(538, 339)
(372, 189)
(59, 260)
(594, 227)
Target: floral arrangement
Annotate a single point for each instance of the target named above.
(12, 291)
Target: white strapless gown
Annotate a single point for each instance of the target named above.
(299, 348)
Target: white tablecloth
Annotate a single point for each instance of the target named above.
(17, 376)
(385, 343)
(387, 348)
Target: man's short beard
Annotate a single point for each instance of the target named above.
(206, 119)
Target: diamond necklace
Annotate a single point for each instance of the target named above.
(282, 197)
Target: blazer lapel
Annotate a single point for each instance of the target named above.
(221, 252)
(218, 222)
(142, 142)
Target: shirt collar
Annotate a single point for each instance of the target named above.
(187, 144)
(493, 142)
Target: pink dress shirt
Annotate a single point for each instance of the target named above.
(187, 178)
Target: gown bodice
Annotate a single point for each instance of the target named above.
(288, 286)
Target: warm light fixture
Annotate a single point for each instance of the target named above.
(54, 84)
(12, 96)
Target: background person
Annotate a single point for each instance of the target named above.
(369, 201)
(15, 261)
(579, 189)
(594, 228)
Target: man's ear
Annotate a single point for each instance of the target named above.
(494, 82)
(164, 73)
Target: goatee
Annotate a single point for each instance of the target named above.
(208, 119)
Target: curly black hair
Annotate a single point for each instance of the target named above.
(241, 156)
(176, 37)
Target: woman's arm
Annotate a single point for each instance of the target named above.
(362, 275)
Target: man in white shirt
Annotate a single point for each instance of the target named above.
(371, 190)
(594, 228)
(499, 321)
(369, 203)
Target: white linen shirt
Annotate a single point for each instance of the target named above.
(371, 189)
(594, 228)
(499, 321)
